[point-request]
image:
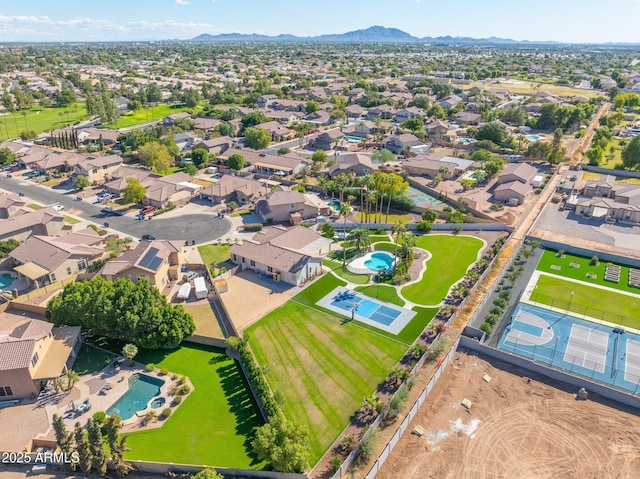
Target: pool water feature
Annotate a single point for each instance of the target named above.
(6, 279)
(378, 261)
(354, 139)
(335, 205)
(158, 402)
(464, 141)
(532, 137)
(142, 389)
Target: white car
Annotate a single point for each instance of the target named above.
(58, 207)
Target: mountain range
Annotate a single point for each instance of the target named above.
(374, 34)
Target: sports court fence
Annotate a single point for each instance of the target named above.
(606, 371)
(586, 311)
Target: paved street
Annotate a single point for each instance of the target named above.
(199, 227)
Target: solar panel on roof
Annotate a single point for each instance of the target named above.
(148, 258)
(155, 263)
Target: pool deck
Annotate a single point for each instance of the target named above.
(396, 326)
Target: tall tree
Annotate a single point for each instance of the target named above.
(134, 192)
(383, 156)
(83, 449)
(96, 447)
(345, 210)
(360, 236)
(236, 162)
(256, 138)
(631, 154)
(284, 444)
(63, 437)
(155, 155)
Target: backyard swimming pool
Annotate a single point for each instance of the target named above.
(371, 263)
(353, 139)
(334, 204)
(532, 137)
(6, 279)
(142, 389)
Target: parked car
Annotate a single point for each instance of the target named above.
(104, 196)
(58, 207)
(7, 168)
(148, 237)
(108, 210)
(33, 174)
(147, 210)
(14, 168)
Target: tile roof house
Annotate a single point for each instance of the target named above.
(282, 203)
(215, 145)
(513, 192)
(11, 204)
(20, 226)
(326, 140)
(157, 261)
(97, 168)
(289, 164)
(234, 188)
(399, 143)
(352, 163)
(522, 172)
(604, 198)
(277, 130)
(42, 260)
(291, 255)
(32, 353)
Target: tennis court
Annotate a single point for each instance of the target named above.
(609, 355)
(385, 316)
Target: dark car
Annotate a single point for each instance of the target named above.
(148, 237)
(119, 212)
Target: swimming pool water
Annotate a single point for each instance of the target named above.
(355, 139)
(379, 261)
(141, 389)
(532, 137)
(5, 280)
(335, 204)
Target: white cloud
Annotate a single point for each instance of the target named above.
(182, 2)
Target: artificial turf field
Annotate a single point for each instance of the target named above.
(598, 303)
(214, 425)
(451, 256)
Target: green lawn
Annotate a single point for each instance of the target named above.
(393, 217)
(378, 238)
(91, 359)
(382, 292)
(41, 119)
(35, 207)
(213, 254)
(70, 220)
(146, 115)
(214, 425)
(344, 273)
(549, 258)
(323, 366)
(451, 257)
(390, 247)
(598, 303)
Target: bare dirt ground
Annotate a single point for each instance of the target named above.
(519, 425)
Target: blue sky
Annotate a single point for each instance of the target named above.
(576, 21)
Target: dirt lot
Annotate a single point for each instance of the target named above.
(517, 426)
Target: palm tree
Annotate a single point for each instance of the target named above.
(323, 184)
(24, 115)
(72, 378)
(408, 243)
(341, 182)
(75, 108)
(360, 236)
(399, 229)
(345, 210)
(372, 405)
(395, 185)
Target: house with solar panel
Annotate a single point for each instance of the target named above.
(157, 261)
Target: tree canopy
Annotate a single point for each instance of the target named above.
(155, 155)
(236, 161)
(134, 191)
(631, 154)
(256, 138)
(494, 131)
(133, 312)
(199, 157)
(7, 156)
(284, 444)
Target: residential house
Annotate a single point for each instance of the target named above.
(42, 260)
(606, 199)
(10, 205)
(21, 225)
(355, 112)
(326, 140)
(437, 129)
(467, 118)
(32, 156)
(385, 112)
(357, 164)
(265, 100)
(450, 102)
(171, 119)
(512, 192)
(206, 124)
(423, 165)
(285, 117)
(281, 165)
(175, 189)
(215, 146)
(15, 147)
(522, 172)
(186, 140)
(282, 203)
(234, 188)
(363, 129)
(97, 168)
(278, 131)
(157, 261)
(399, 144)
(248, 154)
(410, 112)
(289, 105)
(32, 353)
(322, 118)
(116, 182)
(98, 137)
(121, 102)
(290, 255)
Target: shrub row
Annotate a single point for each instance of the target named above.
(164, 210)
(253, 227)
(256, 377)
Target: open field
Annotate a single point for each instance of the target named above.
(41, 119)
(527, 87)
(393, 217)
(579, 298)
(213, 254)
(451, 257)
(205, 319)
(145, 115)
(215, 424)
(549, 259)
(322, 366)
(515, 428)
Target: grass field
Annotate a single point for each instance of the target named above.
(205, 319)
(597, 303)
(91, 359)
(393, 217)
(323, 366)
(382, 292)
(41, 119)
(214, 253)
(549, 258)
(344, 273)
(527, 87)
(214, 425)
(146, 115)
(451, 257)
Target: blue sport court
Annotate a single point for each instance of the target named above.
(607, 354)
(388, 317)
